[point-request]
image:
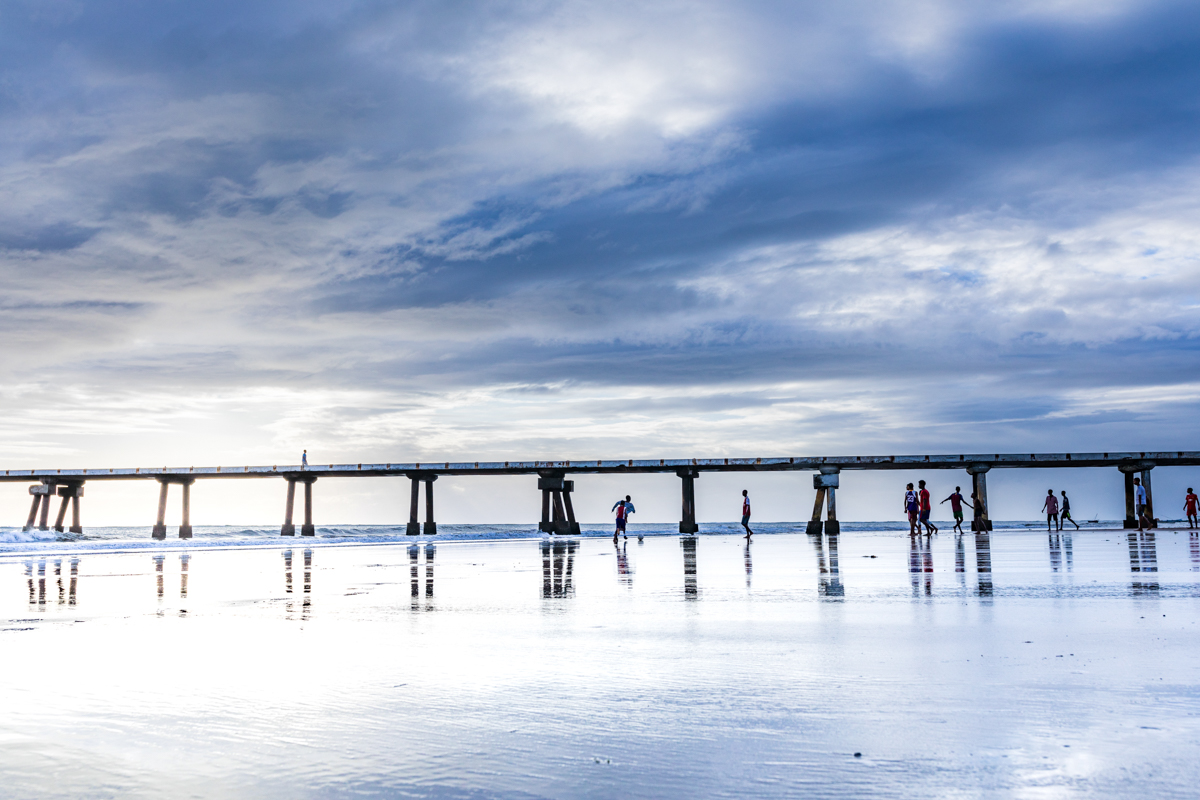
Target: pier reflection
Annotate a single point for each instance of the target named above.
(690, 590)
(624, 571)
(1143, 562)
(829, 575)
(66, 595)
(983, 563)
(558, 567)
(920, 565)
(306, 598)
(414, 571)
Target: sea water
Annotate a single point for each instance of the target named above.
(362, 663)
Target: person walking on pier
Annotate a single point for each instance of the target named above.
(746, 513)
(304, 459)
(623, 508)
(1065, 515)
(956, 504)
(1139, 503)
(912, 505)
(1189, 507)
(1051, 509)
(926, 509)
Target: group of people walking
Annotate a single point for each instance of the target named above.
(917, 506)
(1056, 517)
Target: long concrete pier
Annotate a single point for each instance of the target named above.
(558, 514)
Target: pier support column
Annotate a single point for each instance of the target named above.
(1128, 470)
(289, 529)
(185, 522)
(554, 488)
(430, 525)
(687, 522)
(982, 520)
(41, 501)
(44, 517)
(307, 528)
(414, 527)
(160, 527)
(826, 484)
(70, 494)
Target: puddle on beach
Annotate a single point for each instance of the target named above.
(1007, 664)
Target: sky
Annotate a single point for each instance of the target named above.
(518, 230)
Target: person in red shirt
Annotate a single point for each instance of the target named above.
(1189, 505)
(930, 528)
(746, 513)
(956, 504)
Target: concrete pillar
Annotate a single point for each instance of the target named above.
(1145, 476)
(62, 513)
(414, 527)
(982, 520)
(1129, 471)
(289, 529)
(75, 526)
(307, 528)
(185, 523)
(826, 483)
(430, 525)
(160, 527)
(554, 515)
(33, 508)
(687, 521)
(43, 519)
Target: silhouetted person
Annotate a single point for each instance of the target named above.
(1139, 503)
(1051, 509)
(304, 459)
(926, 509)
(1065, 515)
(912, 505)
(746, 513)
(1189, 506)
(623, 508)
(956, 504)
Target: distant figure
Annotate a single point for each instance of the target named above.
(980, 511)
(746, 513)
(930, 528)
(304, 459)
(1051, 509)
(1065, 516)
(912, 504)
(623, 508)
(1139, 502)
(956, 504)
(1189, 506)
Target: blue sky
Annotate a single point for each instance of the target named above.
(402, 231)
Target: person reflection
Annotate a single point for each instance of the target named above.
(960, 561)
(558, 567)
(1055, 553)
(29, 580)
(690, 590)
(983, 563)
(1143, 562)
(62, 590)
(1195, 552)
(624, 573)
(920, 565)
(71, 596)
(184, 558)
(749, 564)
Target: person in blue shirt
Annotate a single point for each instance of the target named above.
(623, 508)
(304, 459)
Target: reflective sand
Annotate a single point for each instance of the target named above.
(1018, 664)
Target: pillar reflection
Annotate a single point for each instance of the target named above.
(690, 589)
(558, 567)
(1143, 562)
(158, 573)
(184, 559)
(71, 590)
(983, 563)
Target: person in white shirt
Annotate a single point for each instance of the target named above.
(1139, 503)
